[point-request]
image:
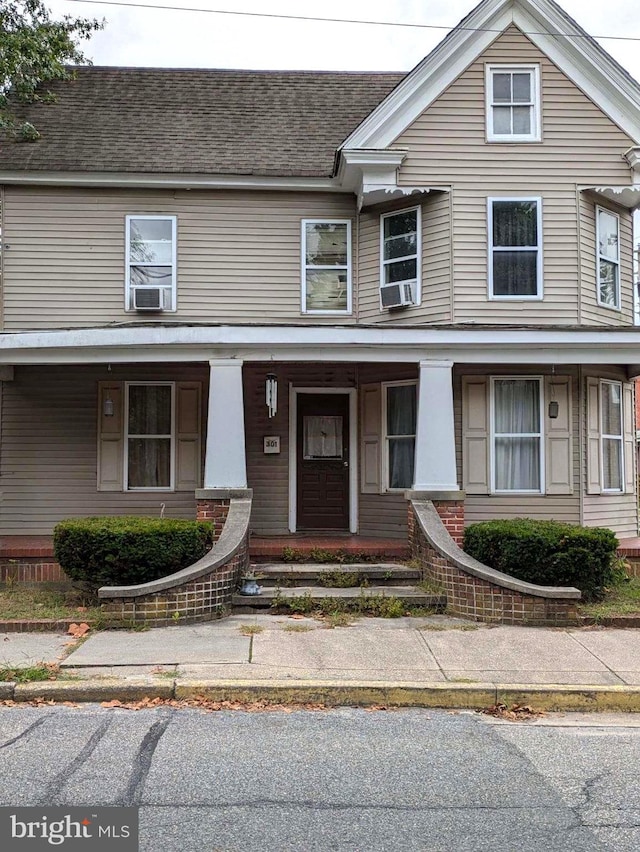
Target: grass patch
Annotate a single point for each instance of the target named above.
(46, 600)
(251, 629)
(623, 598)
(429, 587)
(29, 674)
(377, 606)
(297, 628)
(341, 579)
(343, 557)
(338, 619)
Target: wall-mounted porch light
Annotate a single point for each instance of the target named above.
(271, 392)
(553, 409)
(107, 407)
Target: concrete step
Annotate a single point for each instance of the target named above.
(410, 595)
(311, 573)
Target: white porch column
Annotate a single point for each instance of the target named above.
(435, 461)
(225, 463)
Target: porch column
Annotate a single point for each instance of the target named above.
(435, 461)
(225, 464)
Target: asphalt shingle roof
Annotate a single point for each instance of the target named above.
(197, 121)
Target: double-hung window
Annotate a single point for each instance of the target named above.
(516, 439)
(400, 411)
(515, 248)
(513, 103)
(150, 263)
(400, 258)
(149, 439)
(608, 227)
(611, 436)
(326, 266)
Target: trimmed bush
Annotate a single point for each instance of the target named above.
(547, 553)
(123, 551)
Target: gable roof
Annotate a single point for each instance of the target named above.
(578, 55)
(209, 122)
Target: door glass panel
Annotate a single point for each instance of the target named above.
(322, 437)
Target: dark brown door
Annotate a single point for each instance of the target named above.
(323, 461)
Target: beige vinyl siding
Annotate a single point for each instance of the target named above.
(383, 515)
(238, 254)
(435, 306)
(592, 313)
(581, 146)
(48, 459)
(485, 507)
(619, 512)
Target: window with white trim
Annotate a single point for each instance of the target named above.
(399, 419)
(149, 441)
(326, 266)
(513, 103)
(516, 435)
(611, 436)
(150, 263)
(400, 248)
(515, 248)
(607, 229)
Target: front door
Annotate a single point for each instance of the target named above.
(323, 461)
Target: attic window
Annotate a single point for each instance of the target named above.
(513, 103)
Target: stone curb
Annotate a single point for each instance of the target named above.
(476, 696)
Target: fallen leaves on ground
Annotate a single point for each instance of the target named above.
(515, 713)
(202, 703)
(78, 630)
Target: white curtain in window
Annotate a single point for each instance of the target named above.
(322, 437)
(517, 435)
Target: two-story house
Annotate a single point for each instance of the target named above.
(328, 288)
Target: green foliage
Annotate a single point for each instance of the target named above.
(35, 50)
(547, 553)
(128, 550)
(29, 674)
(341, 579)
(380, 606)
(322, 556)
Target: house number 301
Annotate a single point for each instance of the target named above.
(272, 444)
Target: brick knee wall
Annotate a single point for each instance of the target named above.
(215, 511)
(31, 569)
(472, 597)
(202, 599)
(451, 514)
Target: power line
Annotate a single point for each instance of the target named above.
(336, 20)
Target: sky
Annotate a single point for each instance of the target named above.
(185, 39)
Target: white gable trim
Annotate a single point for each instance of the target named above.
(580, 58)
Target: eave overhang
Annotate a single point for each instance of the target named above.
(273, 343)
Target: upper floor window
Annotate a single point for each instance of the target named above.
(151, 263)
(515, 248)
(326, 266)
(400, 413)
(608, 226)
(513, 103)
(400, 258)
(149, 437)
(516, 435)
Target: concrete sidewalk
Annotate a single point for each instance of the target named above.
(450, 659)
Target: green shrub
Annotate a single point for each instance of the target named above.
(123, 551)
(548, 553)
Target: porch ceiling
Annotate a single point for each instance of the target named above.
(181, 343)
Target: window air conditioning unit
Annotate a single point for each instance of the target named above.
(148, 299)
(397, 295)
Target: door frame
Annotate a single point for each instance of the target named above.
(293, 455)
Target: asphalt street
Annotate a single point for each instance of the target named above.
(343, 779)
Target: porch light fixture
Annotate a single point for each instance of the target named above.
(271, 390)
(107, 407)
(553, 409)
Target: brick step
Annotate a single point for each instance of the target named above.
(309, 573)
(412, 596)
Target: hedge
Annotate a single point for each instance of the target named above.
(547, 553)
(123, 551)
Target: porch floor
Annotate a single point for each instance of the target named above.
(629, 546)
(260, 547)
